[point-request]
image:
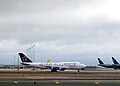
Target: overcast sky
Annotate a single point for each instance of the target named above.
(61, 30)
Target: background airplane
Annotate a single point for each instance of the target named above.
(105, 65)
(116, 63)
(54, 66)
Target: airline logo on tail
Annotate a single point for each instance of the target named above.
(48, 61)
(24, 58)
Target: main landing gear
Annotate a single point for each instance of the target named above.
(54, 70)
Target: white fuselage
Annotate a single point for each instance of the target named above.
(59, 65)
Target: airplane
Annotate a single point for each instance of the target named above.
(54, 66)
(101, 63)
(116, 63)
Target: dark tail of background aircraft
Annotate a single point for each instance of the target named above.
(100, 61)
(24, 58)
(114, 60)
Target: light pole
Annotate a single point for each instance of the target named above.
(18, 63)
(14, 62)
(32, 47)
(34, 53)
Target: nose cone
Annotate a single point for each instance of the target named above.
(83, 66)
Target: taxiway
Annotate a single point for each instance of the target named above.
(46, 75)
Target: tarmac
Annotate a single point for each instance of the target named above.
(88, 77)
(46, 75)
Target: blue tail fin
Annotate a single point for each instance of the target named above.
(100, 61)
(24, 58)
(114, 60)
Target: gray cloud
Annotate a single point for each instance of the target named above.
(58, 28)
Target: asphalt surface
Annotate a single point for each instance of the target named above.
(31, 78)
(46, 75)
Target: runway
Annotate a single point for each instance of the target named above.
(32, 78)
(46, 75)
(27, 77)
